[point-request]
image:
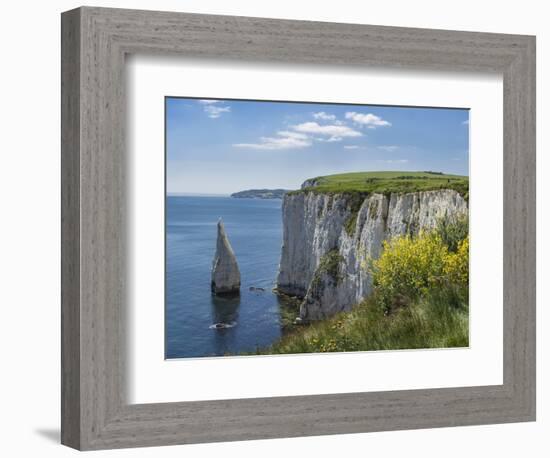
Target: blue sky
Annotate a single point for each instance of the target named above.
(224, 146)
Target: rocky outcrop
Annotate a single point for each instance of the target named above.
(312, 182)
(226, 278)
(329, 238)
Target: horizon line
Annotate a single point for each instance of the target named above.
(196, 194)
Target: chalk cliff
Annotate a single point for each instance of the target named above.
(328, 237)
(226, 277)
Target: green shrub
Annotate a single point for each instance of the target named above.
(354, 202)
(452, 230)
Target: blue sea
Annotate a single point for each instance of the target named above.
(253, 319)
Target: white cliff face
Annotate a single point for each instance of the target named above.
(226, 277)
(324, 264)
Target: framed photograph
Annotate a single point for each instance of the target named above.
(280, 228)
(282, 218)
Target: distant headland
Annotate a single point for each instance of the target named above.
(260, 194)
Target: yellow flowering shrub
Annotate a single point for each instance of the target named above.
(409, 267)
(456, 269)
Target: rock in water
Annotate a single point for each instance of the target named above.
(226, 278)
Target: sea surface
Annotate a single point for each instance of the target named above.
(251, 320)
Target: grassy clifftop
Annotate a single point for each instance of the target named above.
(430, 322)
(387, 182)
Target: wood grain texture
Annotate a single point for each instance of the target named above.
(70, 229)
(96, 413)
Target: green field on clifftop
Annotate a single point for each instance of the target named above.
(388, 182)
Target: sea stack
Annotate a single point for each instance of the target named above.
(226, 278)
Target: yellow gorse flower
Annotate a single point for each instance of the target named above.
(410, 266)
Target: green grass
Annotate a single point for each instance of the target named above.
(388, 182)
(434, 321)
(328, 265)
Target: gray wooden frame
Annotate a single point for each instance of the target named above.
(95, 413)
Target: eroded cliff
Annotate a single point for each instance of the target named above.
(328, 237)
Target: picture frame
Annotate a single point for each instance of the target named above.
(95, 410)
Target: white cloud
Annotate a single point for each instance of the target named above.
(302, 135)
(368, 120)
(333, 131)
(394, 161)
(285, 140)
(324, 116)
(388, 148)
(351, 147)
(211, 108)
(287, 133)
(215, 112)
(466, 123)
